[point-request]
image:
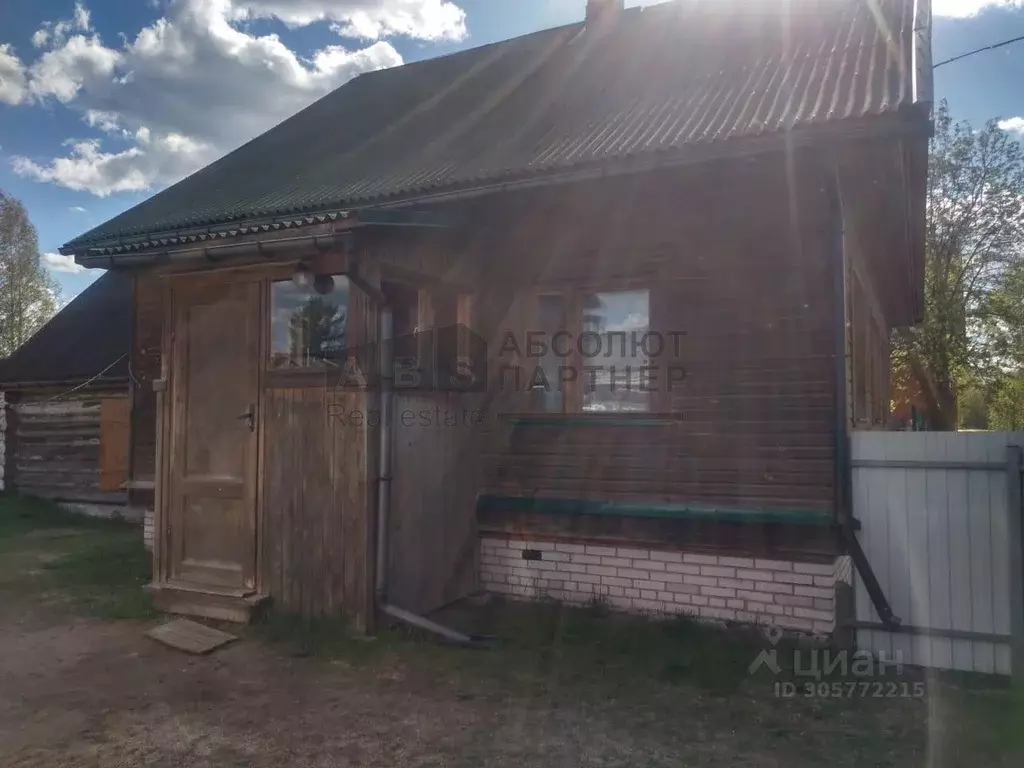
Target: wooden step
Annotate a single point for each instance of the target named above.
(190, 600)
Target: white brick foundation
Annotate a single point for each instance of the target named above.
(147, 529)
(791, 595)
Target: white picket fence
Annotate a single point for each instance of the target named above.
(940, 517)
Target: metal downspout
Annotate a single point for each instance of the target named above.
(844, 480)
(386, 370)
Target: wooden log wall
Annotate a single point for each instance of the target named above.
(57, 451)
(435, 473)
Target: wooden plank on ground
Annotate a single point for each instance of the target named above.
(190, 636)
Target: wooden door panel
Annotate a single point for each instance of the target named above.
(212, 477)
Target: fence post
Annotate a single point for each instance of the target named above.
(1016, 543)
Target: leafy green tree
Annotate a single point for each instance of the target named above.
(28, 293)
(974, 236)
(974, 406)
(1004, 322)
(1007, 409)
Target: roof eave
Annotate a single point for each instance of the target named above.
(907, 121)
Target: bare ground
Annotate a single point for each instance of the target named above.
(79, 691)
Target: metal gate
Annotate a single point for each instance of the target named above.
(940, 516)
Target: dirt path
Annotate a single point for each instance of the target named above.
(78, 691)
(91, 693)
(84, 692)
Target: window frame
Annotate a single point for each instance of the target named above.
(302, 370)
(573, 393)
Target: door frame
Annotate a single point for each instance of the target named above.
(172, 285)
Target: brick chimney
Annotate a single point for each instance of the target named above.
(603, 12)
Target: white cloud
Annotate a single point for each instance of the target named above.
(59, 263)
(371, 19)
(151, 160)
(1013, 125)
(634, 321)
(56, 32)
(108, 122)
(80, 61)
(961, 9)
(77, 209)
(196, 83)
(83, 19)
(13, 81)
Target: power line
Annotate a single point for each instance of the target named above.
(979, 50)
(88, 381)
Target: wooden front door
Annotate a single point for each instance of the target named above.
(215, 357)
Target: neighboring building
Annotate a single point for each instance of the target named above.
(744, 180)
(68, 403)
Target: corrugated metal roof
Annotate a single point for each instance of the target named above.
(656, 84)
(92, 334)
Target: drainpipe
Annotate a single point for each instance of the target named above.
(386, 352)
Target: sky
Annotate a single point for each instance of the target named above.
(105, 102)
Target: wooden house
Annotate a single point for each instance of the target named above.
(68, 404)
(738, 184)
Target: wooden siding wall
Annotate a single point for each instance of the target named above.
(867, 336)
(3, 439)
(433, 546)
(317, 541)
(745, 270)
(145, 363)
(318, 473)
(56, 447)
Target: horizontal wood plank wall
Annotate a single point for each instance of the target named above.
(434, 546)
(742, 264)
(317, 511)
(57, 451)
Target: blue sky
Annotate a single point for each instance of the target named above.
(104, 102)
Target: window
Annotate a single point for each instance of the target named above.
(592, 356)
(309, 326)
(620, 321)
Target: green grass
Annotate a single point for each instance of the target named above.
(558, 654)
(580, 641)
(99, 566)
(327, 638)
(985, 723)
(24, 515)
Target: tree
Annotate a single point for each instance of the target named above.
(975, 226)
(1006, 412)
(317, 330)
(28, 294)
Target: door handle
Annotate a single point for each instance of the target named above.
(250, 417)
